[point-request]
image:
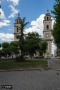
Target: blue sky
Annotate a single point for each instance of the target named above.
(33, 10)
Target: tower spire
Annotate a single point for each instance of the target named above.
(18, 15)
(47, 10)
(48, 14)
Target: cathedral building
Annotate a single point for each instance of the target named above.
(47, 22)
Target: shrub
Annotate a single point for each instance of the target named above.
(19, 58)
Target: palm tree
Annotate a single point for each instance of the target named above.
(21, 37)
(0, 50)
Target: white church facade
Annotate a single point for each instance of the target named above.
(47, 22)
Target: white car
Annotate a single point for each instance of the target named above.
(58, 57)
(52, 57)
(2, 57)
(12, 57)
(47, 57)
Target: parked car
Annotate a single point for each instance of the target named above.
(25, 56)
(41, 57)
(12, 57)
(58, 57)
(2, 57)
(52, 57)
(47, 57)
(36, 57)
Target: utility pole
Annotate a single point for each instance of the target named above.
(48, 59)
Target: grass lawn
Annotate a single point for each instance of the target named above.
(12, 64)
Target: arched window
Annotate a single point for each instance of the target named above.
(47, 27)
(17, 29)
(17, 21)
(47, 18)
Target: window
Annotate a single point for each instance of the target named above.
(17, 21)
(47, 18)
(47, 27)
(17, 29)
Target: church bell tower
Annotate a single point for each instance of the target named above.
(47, 22)
(17, 26)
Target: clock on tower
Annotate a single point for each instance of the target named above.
(47, 35)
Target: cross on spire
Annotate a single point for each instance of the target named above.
(47, 10)
(18, 15)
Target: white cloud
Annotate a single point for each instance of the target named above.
(0, 1)
(53, 48)
(2, 15)
(53, 22)
(15, 2)
(9, 29)
(36, 25)
(4, 23)
(14, 11)
(6, 37)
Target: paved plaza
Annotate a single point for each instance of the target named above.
(32, 80)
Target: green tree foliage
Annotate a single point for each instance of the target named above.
(56, 26)
(0, 6)
(56, 34)
(56, 10)
(43, 46)
(0, 13)
(5, 44)
(11, 47)
(0, 45)
(0, 50)
(5, 47)
(33, 40)
(14, 48)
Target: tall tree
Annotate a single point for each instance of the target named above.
(13, 48)
(56, 26)
(0, 50)
(33, 40)
(43, 46)
(5, 47)
(21, 37)
(56, 34)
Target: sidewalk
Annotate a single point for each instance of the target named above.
(54, 63)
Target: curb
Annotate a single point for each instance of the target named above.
(20, 70)
(27, 69)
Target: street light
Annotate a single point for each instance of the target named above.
(47, 57)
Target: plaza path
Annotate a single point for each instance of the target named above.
(54, 63)
(32, 80)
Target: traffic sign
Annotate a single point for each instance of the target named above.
(47, 52)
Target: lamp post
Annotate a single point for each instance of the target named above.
(47, 57)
